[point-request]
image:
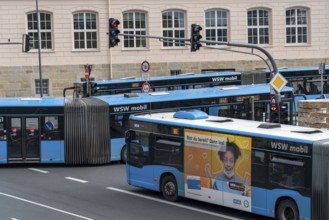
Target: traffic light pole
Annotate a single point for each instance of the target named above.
(39, 49)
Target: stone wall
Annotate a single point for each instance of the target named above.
(313, 113)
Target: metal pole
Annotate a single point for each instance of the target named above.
(39, 48)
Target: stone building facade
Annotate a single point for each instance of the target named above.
(313, 113)
(74, 33)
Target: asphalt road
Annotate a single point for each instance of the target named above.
(30, 192)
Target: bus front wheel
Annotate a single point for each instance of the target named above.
(287, 210)
(169, 188)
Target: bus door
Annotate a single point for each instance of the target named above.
(23, 143)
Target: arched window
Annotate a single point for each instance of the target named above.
(45, 30)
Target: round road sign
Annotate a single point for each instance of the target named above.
(146, 87)
(145, 67)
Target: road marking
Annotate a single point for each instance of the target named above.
(45, 206)
(75, 179)
(38, 170)
(173, 204)
(14, 219)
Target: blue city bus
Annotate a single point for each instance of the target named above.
(164, 83)
(269, 169)
(91, 130)
(306, 81)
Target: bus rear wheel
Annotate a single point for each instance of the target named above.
(169, 188)
(287, 210)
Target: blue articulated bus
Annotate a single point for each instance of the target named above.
(245, 101)
(54, 130)
(273, 170)
(164, 83)
(91, 130)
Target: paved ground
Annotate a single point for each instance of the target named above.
(94, 192)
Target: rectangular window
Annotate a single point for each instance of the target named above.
(45, 86)
(168, 152)
(296, 26)
(85, 30)
(216, 26)
(258, 26)
(3, 133)
(53, 128)
(134, 23)
(139, 151)
(175, 72)
(288, 172)
(259, 168)
(173, 26)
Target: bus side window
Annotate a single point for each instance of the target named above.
(259, 168)
(286, 172)
(53, 128)
(3, 134)
(139, 153)
(168, 152)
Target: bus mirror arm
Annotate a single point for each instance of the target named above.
(68, 88)
(323, 96)
(303, 95)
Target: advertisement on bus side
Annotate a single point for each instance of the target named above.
(218, 168)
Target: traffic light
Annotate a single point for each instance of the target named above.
(284, 113)
(26, 43)
(195, 37)
(274, 113)
(113, 32)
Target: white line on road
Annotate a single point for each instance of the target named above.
(38, 170)
(45, 206)
(173, 204)
(77, 180)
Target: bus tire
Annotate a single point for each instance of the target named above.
(124, 154)
(169, 188)
(287, 210)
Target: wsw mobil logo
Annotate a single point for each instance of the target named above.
(286, 147)
(128, 108)
(223, 78)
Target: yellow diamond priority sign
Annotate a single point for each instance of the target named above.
(278, 82)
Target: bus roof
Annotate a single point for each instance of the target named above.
(296, 69)
(238, 127)
(32, 101)
(177, 95)
(163, 78)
